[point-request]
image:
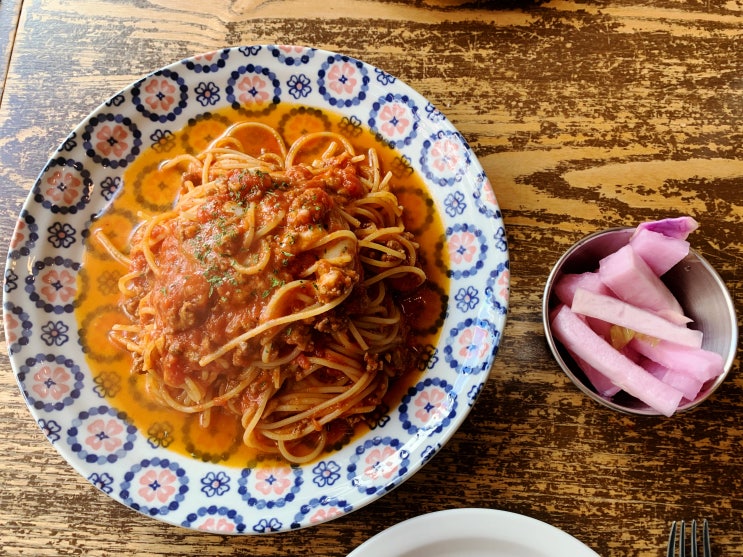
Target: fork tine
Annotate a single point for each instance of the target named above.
(672, 541)
(706, 549)
(694, 552)
(682, 540)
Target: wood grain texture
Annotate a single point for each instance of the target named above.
(584, 115)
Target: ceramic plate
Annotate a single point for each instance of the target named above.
(40, 292)
(472, 533)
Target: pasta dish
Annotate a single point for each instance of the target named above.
(273, 289)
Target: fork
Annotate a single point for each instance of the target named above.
(706, 551)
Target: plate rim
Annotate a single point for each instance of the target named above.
(415, 534)
(28, 205)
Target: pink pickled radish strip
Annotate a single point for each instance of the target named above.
(684, 382)
(565, 289)
(632, 280)
(659, 251)
(567, 284)
(642, 321)
(698, 362)
(600, 382)
(577, 337)
(677, 227)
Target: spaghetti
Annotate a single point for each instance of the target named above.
(271, 289)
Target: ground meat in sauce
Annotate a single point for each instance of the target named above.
(203, 301)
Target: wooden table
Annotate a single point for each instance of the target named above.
(585, 115)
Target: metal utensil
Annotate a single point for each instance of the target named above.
(706, 550)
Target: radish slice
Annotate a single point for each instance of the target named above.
(700, 363)
(566, 286)
(678, 227)
(659, 251)
(633, 281)
(684, 382)
(578, 338)
(600, 382)
(642, 321)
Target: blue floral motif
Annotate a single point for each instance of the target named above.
(109, 186)
(160, 434)
(299, 86)
(433, 113)
(249, 50)
(351, 126)
(267, 525)
(19, 327)
(55, 333)
(430, 358)
(107, 384)
(455, 204)
(11, 280)
(215, 483)
(51, 429)
(61, 235)
(102, 481)
(162, 140)
(383, 77)
(69, 143)
(473, 393)
(501, 242)
(428, 453)
(117, 100)
(144, 497)
(467, 299)
(326, 473)
(207, 93)
(472, 345)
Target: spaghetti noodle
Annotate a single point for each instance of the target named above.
(270, 289)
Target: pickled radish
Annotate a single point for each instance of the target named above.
(580, 339)
(685, 383)
(640, 320)
(702, 364)
(659, 251)
(676, 227)
(632, 280)
(567, 285)
(626, 330)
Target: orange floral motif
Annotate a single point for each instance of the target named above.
(462, 247)
(253, 90)
(64, 187)
(220, 524)
(394, 118)
(430, 405)
(323, 515)
(112, 139)
(274, 479)
(19, 235)
(341, 78)
(160, 94)
(157, 485)
(503, 280)
(11, 323)
(59, 284)
(104, 434)
(445, 153)
(381, 463)
(51, 382)
(474, 342)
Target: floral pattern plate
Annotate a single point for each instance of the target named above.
(44, 259)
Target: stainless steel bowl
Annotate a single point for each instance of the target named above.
(698, 288)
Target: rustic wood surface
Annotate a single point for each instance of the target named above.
(584, 114)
